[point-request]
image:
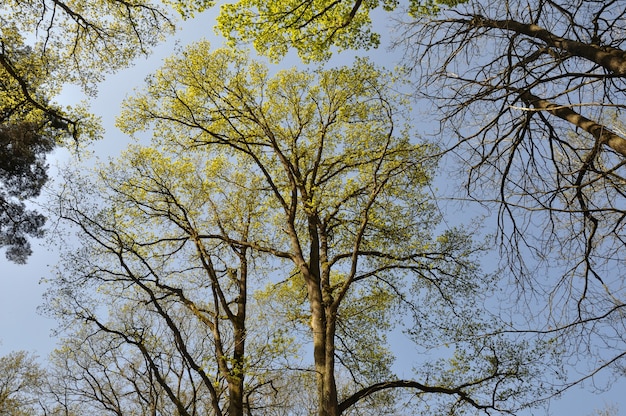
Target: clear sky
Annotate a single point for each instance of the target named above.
(22, 328)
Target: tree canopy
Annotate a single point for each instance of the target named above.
(20, 379)
(532, 99)
(48, 44)
(529, 97)
(304, 193)
(22, 175)
(297, 198)
(27, 135)
(313, 27)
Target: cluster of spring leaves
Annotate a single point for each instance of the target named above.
(48, 45)
(80, 42)
(45, 46)
(312, 27)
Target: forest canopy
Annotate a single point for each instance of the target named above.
(301, 193)
(272, 232)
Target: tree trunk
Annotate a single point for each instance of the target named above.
(323, 354)
(323, 328)
(330, 401)
(236, 378)
(235, 393)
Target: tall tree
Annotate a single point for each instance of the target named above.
(27, 135)
(171, 259)
(530, 97)
(23, 148)
(342, 191)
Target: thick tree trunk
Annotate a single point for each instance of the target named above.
(331, 402)
(236, 378)
(323, 354)
(323, 328)
(235, 393)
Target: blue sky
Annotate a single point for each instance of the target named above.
(22, 328)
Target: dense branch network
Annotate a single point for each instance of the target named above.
(532, 96)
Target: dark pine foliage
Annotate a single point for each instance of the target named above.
(23, 172)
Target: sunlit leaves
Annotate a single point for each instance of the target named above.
(47, 45)
(312, 26)
(315, 28)
(187, 9)
(309, 184)
(81, 40)
(44, 46)
(305, 145)
(332, 128)
(157, 277)
(20, 379)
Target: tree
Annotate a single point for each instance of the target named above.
(23, 148)
(27, 135)
(343, 209)
(20, 378)
(312, 27)
(68, 43)
(44, 46)
(173, 338)
(530, 100)
(533, 95)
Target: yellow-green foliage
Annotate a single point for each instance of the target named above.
(80, 41)
(48, 45)
(259, 155)
(334, 129)
(313, 27)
